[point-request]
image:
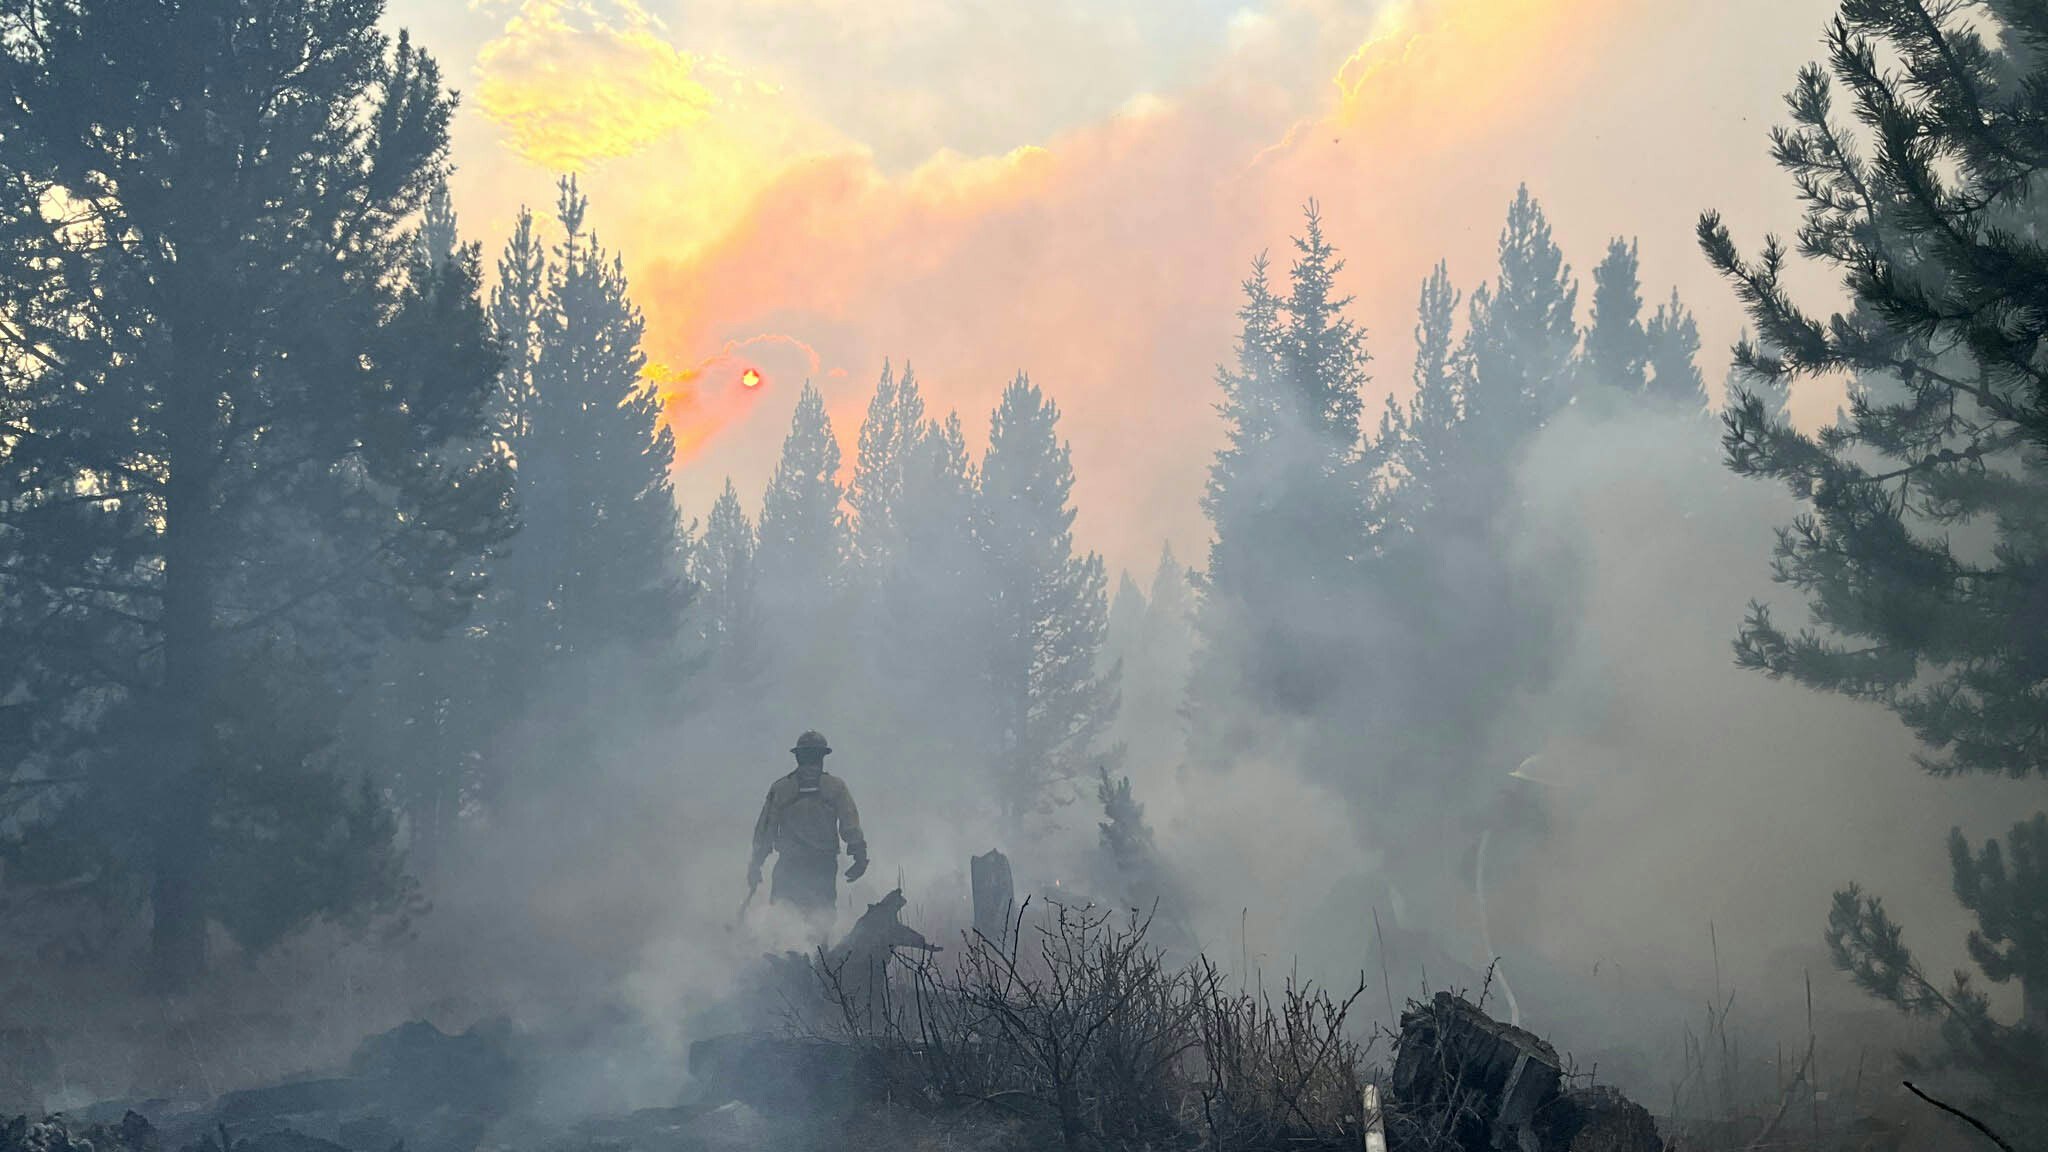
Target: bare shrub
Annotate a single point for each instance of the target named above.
(1080, 1026)
(1285, 1074)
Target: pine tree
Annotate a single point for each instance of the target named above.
(598, 569)
(1237, 491)
(728, 605)
(938, 605)
(1515, 370)
(803, 537)
(1157, 656)
(1323, 360)
(1922, 550)
(1657, 359)
(1674, 342)
(1125, 837)
(1126, 620)
(422, 723)
(1287, 498)
(1242, 562)
(1136, 876)
(439, 236)
(938, 507)
(599, 559)
(435, 708)
(888, 437)
(1322, 352)
(800, 562)
(1169, 599)
(1050, 609)
(1422, 438)
(1472, 633)
(518, 308)
(1521, 334)
(247, 437)
(1617, 346)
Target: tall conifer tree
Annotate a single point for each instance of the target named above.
(1470, 631)
(802, 571)
(597, 571)
(599, 559)
(247, 431)
(803, 534)
(1617, 347)
(518, 309)
(1422, 438)
(1287, 498)
(1922, 552)
(1522, 332)
(1050, 612)
(888, 437)
(937, 603)
(723, 566)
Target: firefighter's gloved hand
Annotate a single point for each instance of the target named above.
(860, 862)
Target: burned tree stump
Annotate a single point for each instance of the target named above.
(995, 896)
(1464, 1080)
(1471, 1077)
(856, 971)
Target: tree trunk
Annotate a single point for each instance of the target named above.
(177, 900)
(180, 721)
(2034, 1003)
(995, 897)
(1069, 1098)
(183, 803)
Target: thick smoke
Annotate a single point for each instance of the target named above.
(1656, 827)
(1695, 818)
(1676, 847)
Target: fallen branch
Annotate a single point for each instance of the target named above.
(1959, 1114)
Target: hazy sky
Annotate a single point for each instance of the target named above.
(1074, 188)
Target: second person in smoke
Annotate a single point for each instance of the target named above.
(806, 816)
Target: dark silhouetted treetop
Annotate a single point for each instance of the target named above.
(1617, 347)
(1674, 343)
(1522, 332)
(802, 533)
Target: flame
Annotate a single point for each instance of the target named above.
(750, 379)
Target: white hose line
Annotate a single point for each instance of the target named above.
(1500, 971)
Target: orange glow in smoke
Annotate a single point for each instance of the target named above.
(750, 379)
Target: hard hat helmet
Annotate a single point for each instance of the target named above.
(812, 743)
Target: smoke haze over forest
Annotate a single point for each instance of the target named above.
(819, 185)
(1349, 476)
(931, 187)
